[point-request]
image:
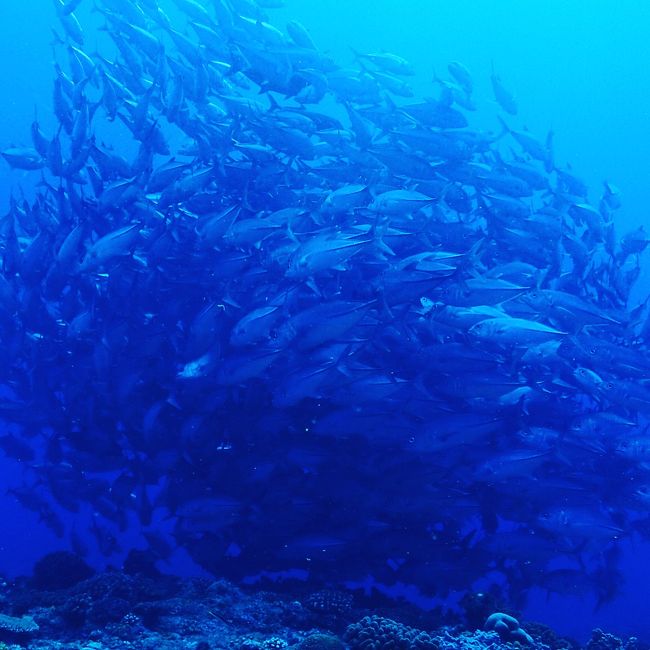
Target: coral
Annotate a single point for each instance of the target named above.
(249, 644)
(141, 563)
(81, 609)
(13, 626)
(113, 584)
(296, 615)
(544, 634)
(477, 606)
(507, 627)
(603, 641)
(75, 610)
(130, 588)
(60, 570)
(377, 633)
(111, 613)
(108, 598)
(328, 601)
(321, 642)
(150, 613)
(272, 643)
(128, 629)
(131, 619)
(477, 640)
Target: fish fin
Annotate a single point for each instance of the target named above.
(549, 163)
(505, 129)
(358, 57)
(275, 106)
(391, 104)
(311, 283)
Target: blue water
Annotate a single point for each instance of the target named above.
(578, 69)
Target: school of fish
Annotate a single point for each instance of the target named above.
(283, 314)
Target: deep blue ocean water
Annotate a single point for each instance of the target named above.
(577, 68)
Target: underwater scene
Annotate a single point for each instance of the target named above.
(324, 325)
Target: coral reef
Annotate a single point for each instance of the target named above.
(603, 641)
(542, 634)
(14, 625)
(507, 627)
(477, 607)
(13, 628)
(60, 570)
(328, 601)
(377, 633)
(142, 611)
(320, 641)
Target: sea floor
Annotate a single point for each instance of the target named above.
(63, 607)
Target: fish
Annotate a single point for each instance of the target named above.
(300, 35)
(517, 331)
(255, 326)
(632, 243)
(200, 367)
(23, 158)
(462, 75)
(114, 244)
(388, 62)
(323, 254)
(398, 202)
(283, 311)
(504, 97)
(67, 8)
